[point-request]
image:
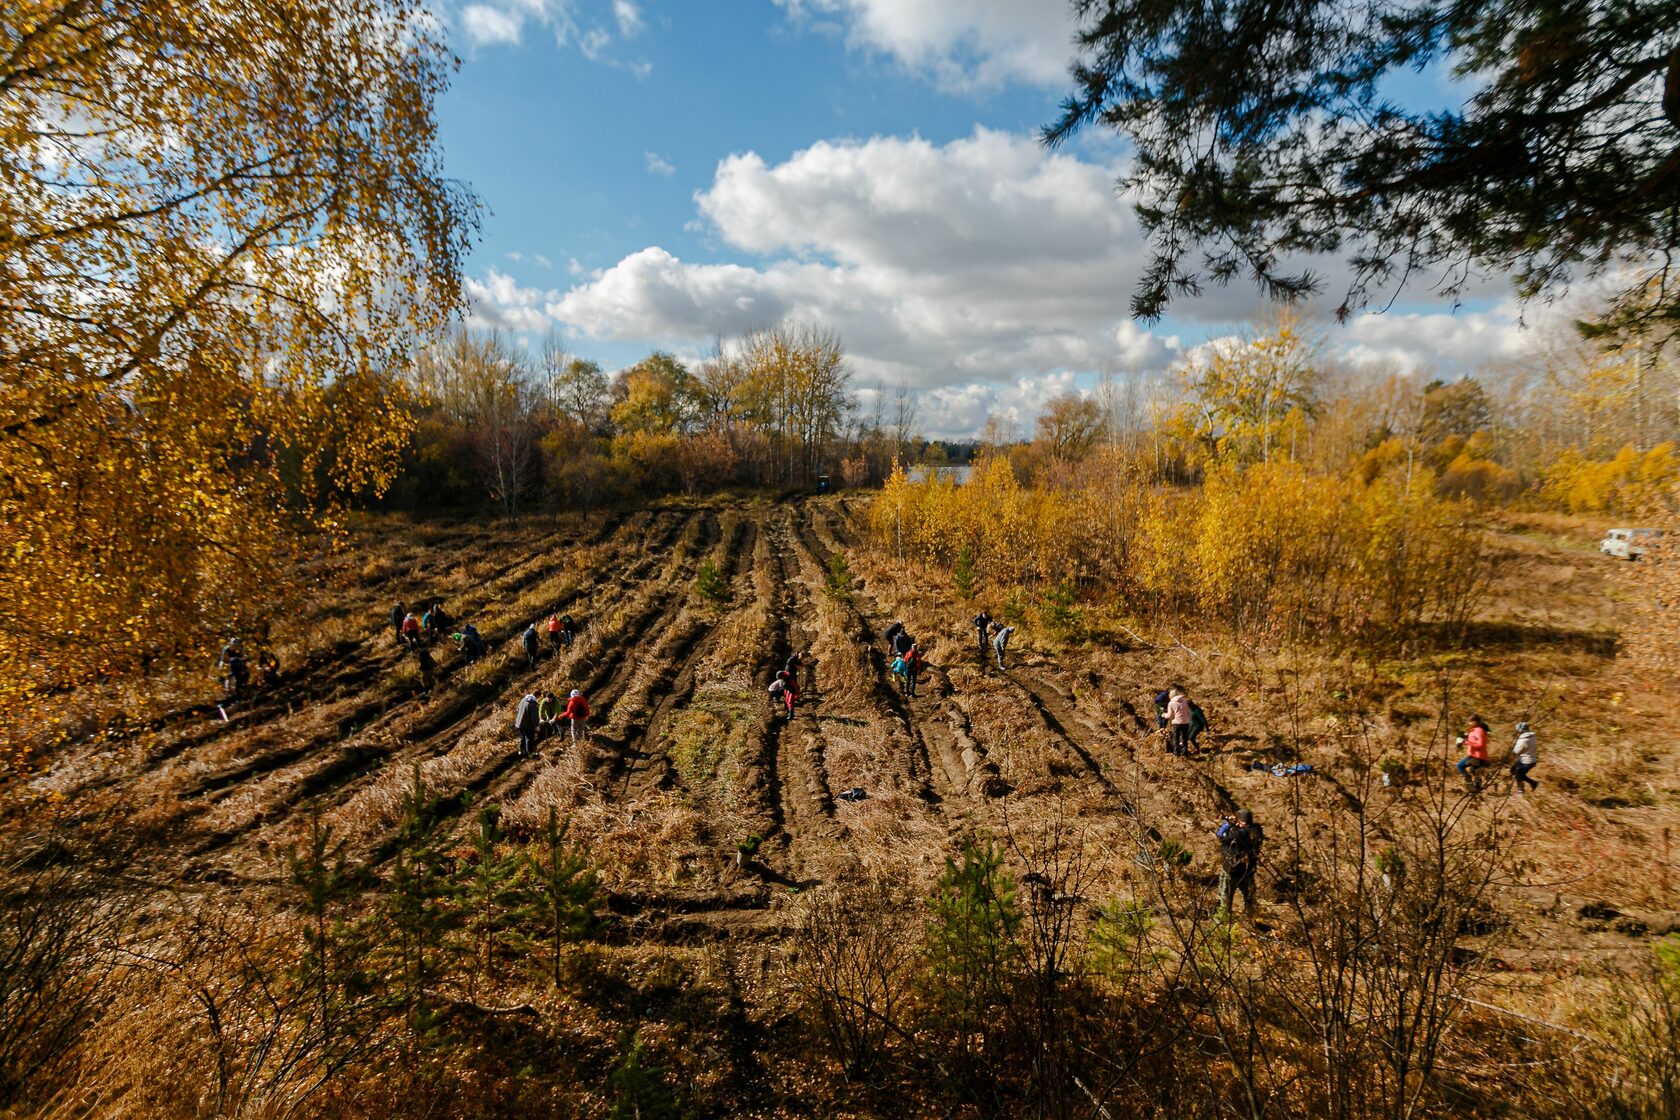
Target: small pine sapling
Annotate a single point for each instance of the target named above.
(561, 892)
(964, 574)
(837, 580)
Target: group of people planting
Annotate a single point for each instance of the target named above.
(1178, 718)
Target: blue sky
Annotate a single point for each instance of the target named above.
(658, 174)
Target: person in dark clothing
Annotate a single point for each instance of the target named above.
(568, 630)
(795, 664)
(912, 669)
(238, 674)
(902, 641)
(428, 667)
(532, 644)
(891, 636)
(982, 625)
(397, 614)
(526, 720)
(472, 646)
(1240, 841)
(1161, 700)
(1198, 724)
(268, 668)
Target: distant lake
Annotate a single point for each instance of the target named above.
(957, 471)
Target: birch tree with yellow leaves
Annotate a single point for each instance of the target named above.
(224, 226)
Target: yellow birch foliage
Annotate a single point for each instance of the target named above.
(1272, 548)
(1629, 481)
(223, 226)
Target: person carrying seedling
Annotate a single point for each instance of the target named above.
(410, 630)
(1240, 841)
(1178, 722)
(982, 623)
(576, 714)
(529, 638)
(554, 631)
(1000, 643)
(912, 669)
(1525, 752)
(526, 721)
(548, 714)
(1475, 758)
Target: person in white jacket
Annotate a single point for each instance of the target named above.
(1525, 752)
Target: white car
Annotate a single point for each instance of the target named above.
(1628, 544)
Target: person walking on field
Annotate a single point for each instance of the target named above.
(902, 641)
(982, 623)
(912, 669)
(1000, 643)
(397, 614)
(1525, 752)
(410, 630)
(1240, 841)
(526, 719)
(1178, 722)
(891, 636)
(554, 631)
(568, 628)
(1475, 753)
(576, 714)
(428, 667)
(531, 644)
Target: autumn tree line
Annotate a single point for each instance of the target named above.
(512, 428)
(1264, 487)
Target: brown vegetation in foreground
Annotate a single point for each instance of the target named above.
(352, 898)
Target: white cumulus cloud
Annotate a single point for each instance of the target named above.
(487, 26)
(970, 45)
(986, 273)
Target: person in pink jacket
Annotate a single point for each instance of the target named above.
(1475, 753)
(1178, 722)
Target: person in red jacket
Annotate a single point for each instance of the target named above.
(1475, 753)
(576, 713)
(409, 630)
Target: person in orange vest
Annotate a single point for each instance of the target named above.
(1475, 758)
(554, 631)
